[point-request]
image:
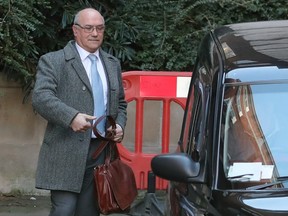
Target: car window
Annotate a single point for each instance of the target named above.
(186, 128)
(254, 131)
(192, 138)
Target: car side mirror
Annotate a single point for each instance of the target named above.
(177, 167)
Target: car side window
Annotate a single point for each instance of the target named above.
(195, 137)
(186, 128)
(193, 130)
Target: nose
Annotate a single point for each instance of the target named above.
(94, 31)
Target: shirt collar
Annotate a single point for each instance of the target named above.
(84, 54)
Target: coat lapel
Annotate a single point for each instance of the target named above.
(108, 67)
(72, 55)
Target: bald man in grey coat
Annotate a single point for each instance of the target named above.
(63, 96)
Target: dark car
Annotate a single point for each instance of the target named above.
(232, 157)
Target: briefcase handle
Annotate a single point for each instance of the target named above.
(108, 135)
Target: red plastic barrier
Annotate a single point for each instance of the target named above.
(148, 85)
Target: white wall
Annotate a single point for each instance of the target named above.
(21, 133)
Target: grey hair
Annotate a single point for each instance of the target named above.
(76, 18)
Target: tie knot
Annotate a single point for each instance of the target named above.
(92, 57)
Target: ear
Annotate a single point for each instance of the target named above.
(75, 30)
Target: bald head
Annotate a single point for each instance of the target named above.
(87, 12)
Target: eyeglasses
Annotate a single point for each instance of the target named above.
(90, 28)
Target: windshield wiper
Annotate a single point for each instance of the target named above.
(240, 177)
(279, 180)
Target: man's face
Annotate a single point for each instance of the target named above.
(89, 30)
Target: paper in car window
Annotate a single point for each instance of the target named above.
(267, 171)
(250, 171)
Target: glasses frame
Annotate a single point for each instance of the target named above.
(90, 28)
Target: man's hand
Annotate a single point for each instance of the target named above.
(82, 122)
(117, 133)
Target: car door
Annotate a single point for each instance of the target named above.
(191, 198)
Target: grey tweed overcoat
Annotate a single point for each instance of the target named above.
(62, 90)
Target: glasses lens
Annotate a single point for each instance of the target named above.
(88, 29)
(100, 28)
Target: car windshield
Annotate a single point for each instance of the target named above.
(254, 133)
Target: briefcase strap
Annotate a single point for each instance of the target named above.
(105, 140)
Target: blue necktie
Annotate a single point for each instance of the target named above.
(98, 94)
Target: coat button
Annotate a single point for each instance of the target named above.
(84, 88)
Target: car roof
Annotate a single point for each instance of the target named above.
(254, 44)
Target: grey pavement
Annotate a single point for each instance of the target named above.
(151, 204)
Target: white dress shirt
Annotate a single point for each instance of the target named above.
(87, 65)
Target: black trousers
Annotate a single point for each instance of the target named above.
(65, 203)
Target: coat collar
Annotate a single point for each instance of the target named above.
(71, 54)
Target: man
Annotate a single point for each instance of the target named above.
(63, 95)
